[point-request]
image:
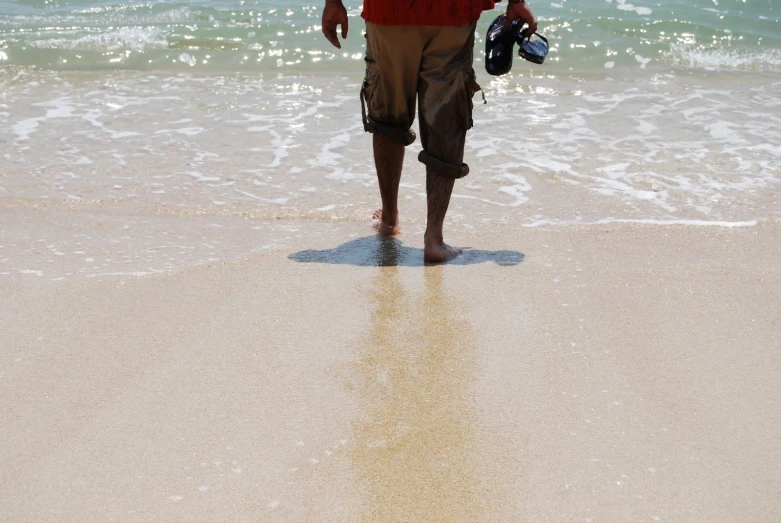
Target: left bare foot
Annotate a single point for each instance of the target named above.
(438, 251)
(382, 227)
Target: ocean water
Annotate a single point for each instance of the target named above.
(259, 35)
(139, 138)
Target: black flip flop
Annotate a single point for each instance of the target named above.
(499, 46)
(534, 48)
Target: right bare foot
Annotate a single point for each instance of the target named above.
(382, 227)
(436, 252)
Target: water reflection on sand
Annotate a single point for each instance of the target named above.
(414, 453)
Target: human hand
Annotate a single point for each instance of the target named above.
(334, 14)
(520, 11)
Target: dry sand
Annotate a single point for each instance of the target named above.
(616, 373)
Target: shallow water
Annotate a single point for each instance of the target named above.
(141, 167)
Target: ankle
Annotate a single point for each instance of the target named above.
(390, 217)
(433, 237)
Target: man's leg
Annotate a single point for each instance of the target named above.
(393, 55)
(388, 159)
(443, 94)
(438, 191)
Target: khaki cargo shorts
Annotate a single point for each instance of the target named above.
(433, 66)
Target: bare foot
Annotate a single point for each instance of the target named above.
(439, 252)
(383, 228)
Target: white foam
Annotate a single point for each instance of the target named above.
(201, 177)
(643, 61)
(179, 14)
(518, 190)
(59, 108)
(275, 201)
(672, 222)
(127, 273)
(281, 146)
(645, 128)
(187, 131)
(187, 59)
(711, 58)
(327, 156)
(546, 163)
(625, 6)
(133, 38)
(25, 128)
(724, 131)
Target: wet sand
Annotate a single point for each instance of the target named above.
(602, 373)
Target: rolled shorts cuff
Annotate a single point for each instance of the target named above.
(395, 134)
(448, 170)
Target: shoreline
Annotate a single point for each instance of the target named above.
(237, 237)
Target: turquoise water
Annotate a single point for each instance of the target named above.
(247, 35)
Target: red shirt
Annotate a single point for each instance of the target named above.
(424, 12)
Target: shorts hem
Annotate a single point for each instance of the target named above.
(448, 170)
(395, 134)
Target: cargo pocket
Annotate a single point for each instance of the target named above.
(368, 89)
(470, 88)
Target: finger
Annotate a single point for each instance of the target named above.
(334, 40)
(344, 26)
(329, 30)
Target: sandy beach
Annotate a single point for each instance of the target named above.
(606, 373)
(198, 323)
